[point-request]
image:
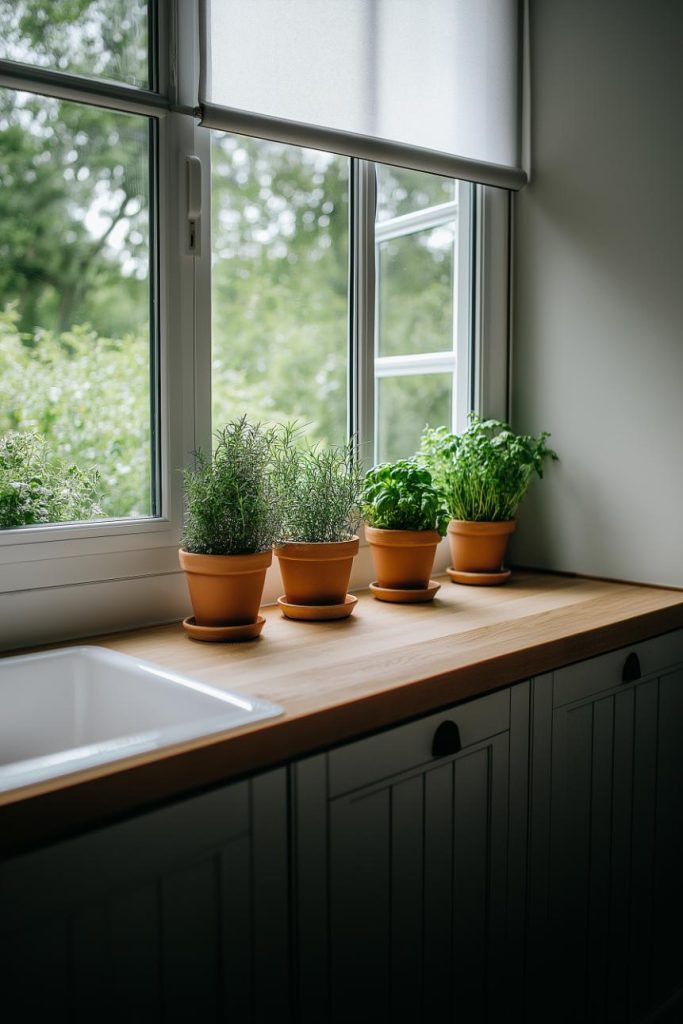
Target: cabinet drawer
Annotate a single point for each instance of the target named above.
(605, 672)
(409, 746)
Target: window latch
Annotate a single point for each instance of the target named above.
(194, 203)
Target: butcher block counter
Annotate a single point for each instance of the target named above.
(336, 681)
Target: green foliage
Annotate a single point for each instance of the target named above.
(36, 487)
(279, 295)
(231, 498)
(483, 473)
(74, 210)
(400, 496)
(88, 397)
(105, 38)
(319, 491)
(405, 405)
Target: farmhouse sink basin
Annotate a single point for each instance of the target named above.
(66, 710)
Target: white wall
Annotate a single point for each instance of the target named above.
(598, 317)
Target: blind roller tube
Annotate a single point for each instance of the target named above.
(260, 126)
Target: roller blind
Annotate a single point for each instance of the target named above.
(427, 84)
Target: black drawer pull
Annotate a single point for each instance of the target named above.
(631, 670)
(446, 740)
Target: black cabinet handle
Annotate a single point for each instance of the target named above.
(446, 740)
(631, 670)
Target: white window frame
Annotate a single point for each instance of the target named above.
(78, 579)
(74, 580)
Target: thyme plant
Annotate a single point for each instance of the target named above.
(483, 473)
(231, 497)
(320, 491)
(400, 496)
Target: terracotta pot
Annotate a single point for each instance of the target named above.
(225, 590)
(316, 573)
(479, 547)
(403, 559)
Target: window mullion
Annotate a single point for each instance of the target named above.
(62, 85)
(415, 364)
(362, 305)
(492, 338)
(467, 304)
(420, 220)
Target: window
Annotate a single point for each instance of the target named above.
(75, 352)
(281, 280)
(348, 294)
(78, 332)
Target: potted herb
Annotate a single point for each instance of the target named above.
(406, 518)
(232, 519)
(319, 492)
(483, 474)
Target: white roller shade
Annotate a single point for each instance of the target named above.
(429, 84)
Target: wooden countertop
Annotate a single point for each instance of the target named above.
(338, 680)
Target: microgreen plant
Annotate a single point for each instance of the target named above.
(231, 498)
(483, 473)
(400, 496)
(319, 490)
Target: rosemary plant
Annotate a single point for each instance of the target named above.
(400, 496)
(319, 490)
(231, 497)
(483, 473)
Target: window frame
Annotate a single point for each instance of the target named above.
(58, 565)
(68, 580)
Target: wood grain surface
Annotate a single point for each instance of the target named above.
(338, 680)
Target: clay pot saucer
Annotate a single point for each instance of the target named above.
(404, 595)
(480, 579)
(223, 634)
(317, 612)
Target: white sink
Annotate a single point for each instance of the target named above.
(78, 707)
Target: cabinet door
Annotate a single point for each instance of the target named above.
(667, 945)
(403, 883)
(605, 836)
(179, 914)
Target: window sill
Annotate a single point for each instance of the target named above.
(145, 589)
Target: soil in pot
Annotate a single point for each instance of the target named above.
(479, 547)
(316, 574)
(225, 590)
(403, 559)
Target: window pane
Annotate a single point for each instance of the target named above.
(405, 405)
(280, 285)
(74, 312)
(415, 292)
(97, 38)
(402, 191)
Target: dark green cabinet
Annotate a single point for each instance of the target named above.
(605, 898)
(410, 869)
(180, 914)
